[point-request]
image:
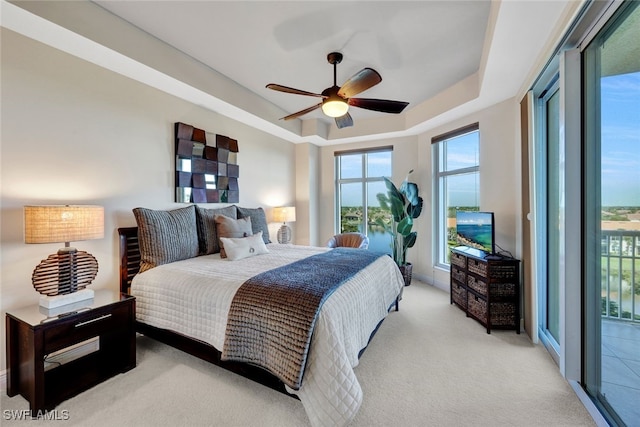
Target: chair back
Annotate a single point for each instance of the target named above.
(349, 240)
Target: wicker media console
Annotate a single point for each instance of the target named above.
(486, 288)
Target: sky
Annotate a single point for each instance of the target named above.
(481, 218)
(463, 189)
(620, 139)
(378, 165)
(463, 152)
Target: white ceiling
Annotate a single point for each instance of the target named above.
(419, 48)
(446, 58)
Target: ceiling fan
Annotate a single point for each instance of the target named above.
(336, 100)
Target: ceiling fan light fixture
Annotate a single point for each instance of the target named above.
(337, 99)
(333, 107)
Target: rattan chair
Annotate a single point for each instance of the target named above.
(349, 240)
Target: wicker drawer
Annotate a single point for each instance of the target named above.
(503, 290)
(477, 285)
(477, 307)
(459, 275)
(459, 260)
(502, 313)
(497, 290)
(477, 267)
(503, 272)
(459, 294)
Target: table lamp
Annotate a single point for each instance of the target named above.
(63, 277)
(284, 214)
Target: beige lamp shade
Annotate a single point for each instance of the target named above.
(284, 214)
(63, 223)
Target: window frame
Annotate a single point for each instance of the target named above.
(363, 180)
(440, 211)
(546, 208)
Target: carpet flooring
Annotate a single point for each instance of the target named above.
(428, 365)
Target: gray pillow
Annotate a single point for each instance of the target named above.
(258, 221)
(228, 227)
(166, 236)
(207, 235)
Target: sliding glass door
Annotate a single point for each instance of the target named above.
(611, 124)
(548, 176)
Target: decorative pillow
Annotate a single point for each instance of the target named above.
(229, 227)
(258, 221)
(207, 235)
(166, 236)
(244, 247)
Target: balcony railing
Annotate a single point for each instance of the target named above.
(620, 266)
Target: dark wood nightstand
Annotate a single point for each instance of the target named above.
(52, 356)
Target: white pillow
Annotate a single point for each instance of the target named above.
(244, 247)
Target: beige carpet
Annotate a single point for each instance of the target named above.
(428, 365)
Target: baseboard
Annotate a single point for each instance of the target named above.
(3, 381)
(429, 281)
(588, 404)
(423, 278)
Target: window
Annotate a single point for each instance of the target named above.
(611, 209)
(456, 167)
(549, 181)
(359, 178)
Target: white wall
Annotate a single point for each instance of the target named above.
(499, 181)
(76, 133)
(307, 192)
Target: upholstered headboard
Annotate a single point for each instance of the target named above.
(129, 256)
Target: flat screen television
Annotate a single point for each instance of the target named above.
(476, 230)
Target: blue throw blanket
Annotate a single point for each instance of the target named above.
(272, 314)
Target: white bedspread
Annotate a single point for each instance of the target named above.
(192, 297)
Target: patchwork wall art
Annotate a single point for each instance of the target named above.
(206, 171)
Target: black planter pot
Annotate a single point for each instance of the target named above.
(407, 271)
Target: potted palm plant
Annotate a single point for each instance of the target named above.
(405, 205)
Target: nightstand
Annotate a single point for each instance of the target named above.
(54, 355)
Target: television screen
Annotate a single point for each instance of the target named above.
(475, 230)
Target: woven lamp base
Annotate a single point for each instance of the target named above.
(62, 278)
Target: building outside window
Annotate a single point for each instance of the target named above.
(359, 179)
(456, 167)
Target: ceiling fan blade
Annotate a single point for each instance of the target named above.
(382, 105)
(359, 82)
(344, 121)
(286, 89)
(302, 112)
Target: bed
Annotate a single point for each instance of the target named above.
(187, 303)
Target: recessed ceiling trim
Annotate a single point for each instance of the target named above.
(112, 43)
